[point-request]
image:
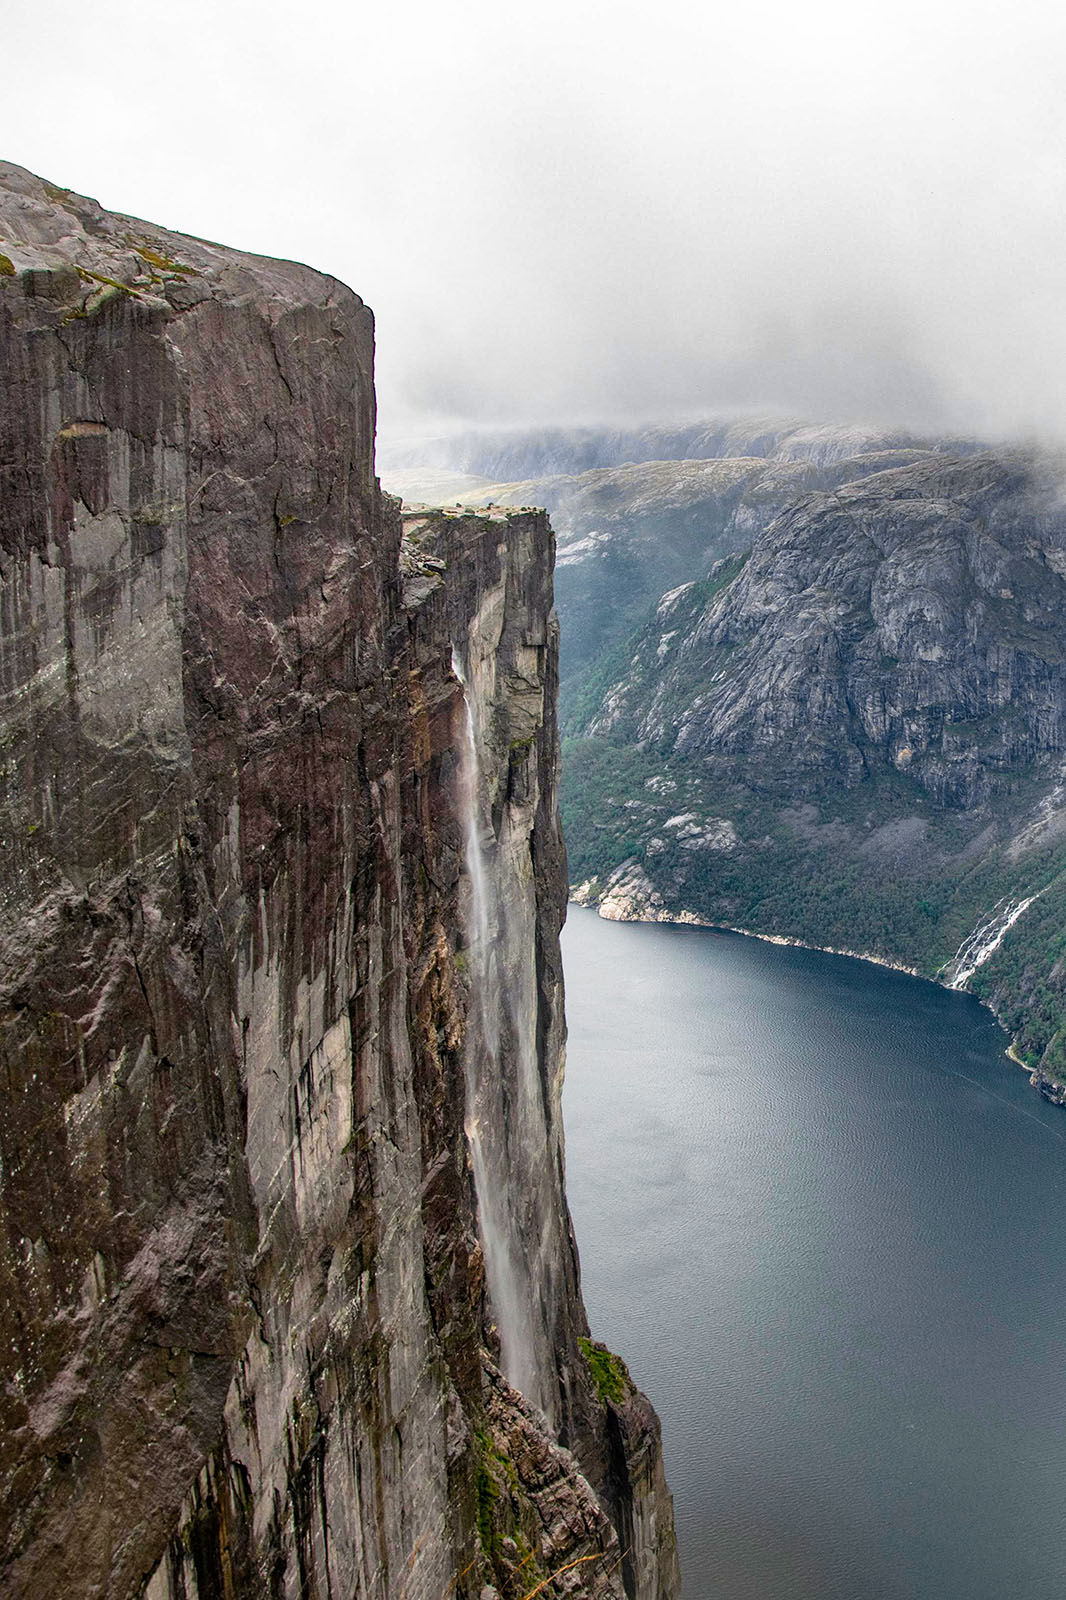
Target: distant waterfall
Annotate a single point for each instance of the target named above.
(485, 1119)
(984, 941)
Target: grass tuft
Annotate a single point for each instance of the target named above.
(609, 1372)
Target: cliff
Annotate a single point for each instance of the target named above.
(854, 735)
(660, 506)
(283, 1203)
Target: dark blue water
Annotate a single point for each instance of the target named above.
(822, 1215)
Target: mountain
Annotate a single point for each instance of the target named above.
(812, 682)
(523, 453)
(628, 532)
(290, 1295)
(853, 734)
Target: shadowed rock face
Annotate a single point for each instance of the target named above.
(245, 1334)
(911, 620)
(629, 533)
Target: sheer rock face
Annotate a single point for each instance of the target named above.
(909, 621)
(628, 534)
(243, 1305)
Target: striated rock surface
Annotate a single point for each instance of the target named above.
(250, 1334)
(628, 533)
(911, 620)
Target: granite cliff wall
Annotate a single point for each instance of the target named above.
(249, 1342)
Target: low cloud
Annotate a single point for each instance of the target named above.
(580, 210)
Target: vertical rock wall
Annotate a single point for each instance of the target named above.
(245, 1337)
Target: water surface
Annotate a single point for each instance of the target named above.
(821, 1214)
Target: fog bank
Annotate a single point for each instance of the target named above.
(599, 210)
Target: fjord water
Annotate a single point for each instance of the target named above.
(821, 1214)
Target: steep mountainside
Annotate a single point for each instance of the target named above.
(282, 1020)
(627, 533)
(855, 735)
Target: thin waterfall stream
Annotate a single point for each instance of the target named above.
(485, 1117)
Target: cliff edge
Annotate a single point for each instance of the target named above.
(289, 1300)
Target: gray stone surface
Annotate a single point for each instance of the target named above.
(243, 1318)
(912, 619)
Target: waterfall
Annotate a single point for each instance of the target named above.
(506, 1271)
(984, 941)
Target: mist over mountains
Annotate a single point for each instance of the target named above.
(812, 679)
(639, 509)
(498, 454)
(570, 212)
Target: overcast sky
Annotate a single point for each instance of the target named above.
(570, 211)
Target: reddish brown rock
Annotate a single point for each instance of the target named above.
(243, 1298)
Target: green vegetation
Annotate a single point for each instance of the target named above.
(112, 283)
(587, 700)
(495, 1480)
(826, 867)
(7, 266)
(163, 263)
(705, 589)
(488, 1492)
(586, 691)
(500, 1508)
(1026, 983)
(609, 1372)
(597, 780)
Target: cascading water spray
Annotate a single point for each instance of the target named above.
(984, 941)
(507, 1276)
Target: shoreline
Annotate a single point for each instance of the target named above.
(826, 950)
(689, 919)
